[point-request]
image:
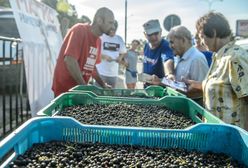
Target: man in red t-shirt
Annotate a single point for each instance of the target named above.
(80, 52)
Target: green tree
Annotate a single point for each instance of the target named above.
(51, 3)
(5, 3)
(67, 13)
(84, 19)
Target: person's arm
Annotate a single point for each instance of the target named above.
(238, 77)
(72, 53)
(74, 70)
(194, 88)
(168, 59)
(155, 80)
(121, 57)
(122, 51)
(193, 85)
(99, 80)
(169, 69)
(107, 58)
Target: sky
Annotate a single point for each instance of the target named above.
(140, 11)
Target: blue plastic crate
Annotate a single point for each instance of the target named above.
(224, 138)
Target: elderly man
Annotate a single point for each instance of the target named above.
(158, 56)
(190, 62)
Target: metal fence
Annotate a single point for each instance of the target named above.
(14, 105)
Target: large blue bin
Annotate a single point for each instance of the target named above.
(223, 138)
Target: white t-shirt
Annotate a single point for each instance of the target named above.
(112, 47)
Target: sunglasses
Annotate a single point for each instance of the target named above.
(156, 33)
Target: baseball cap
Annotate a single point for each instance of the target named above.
(152, 26)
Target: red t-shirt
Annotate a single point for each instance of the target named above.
(85, 47)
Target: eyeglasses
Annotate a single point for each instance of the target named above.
(156, 33)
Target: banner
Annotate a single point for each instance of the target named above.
(40, 32)
(242, 28)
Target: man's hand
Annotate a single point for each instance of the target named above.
(155, 80)
(74, 69)
(99, 79)
(107, 86)
(118, 59)
(171, 77)
(124, 63)
(193, 85)
(121, 58)
(194, 89)
(108, 58)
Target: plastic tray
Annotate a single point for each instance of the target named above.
(219, 138)
(149, 92)
(181, 104)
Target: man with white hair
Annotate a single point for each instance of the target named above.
(191, 64)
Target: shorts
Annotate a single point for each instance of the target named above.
(130, 78)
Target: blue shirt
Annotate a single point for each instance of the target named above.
(208, 56)
(154, 58)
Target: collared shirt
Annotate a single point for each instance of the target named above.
(226, 85)
(192, 65)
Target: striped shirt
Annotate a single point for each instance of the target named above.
(226, 84)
